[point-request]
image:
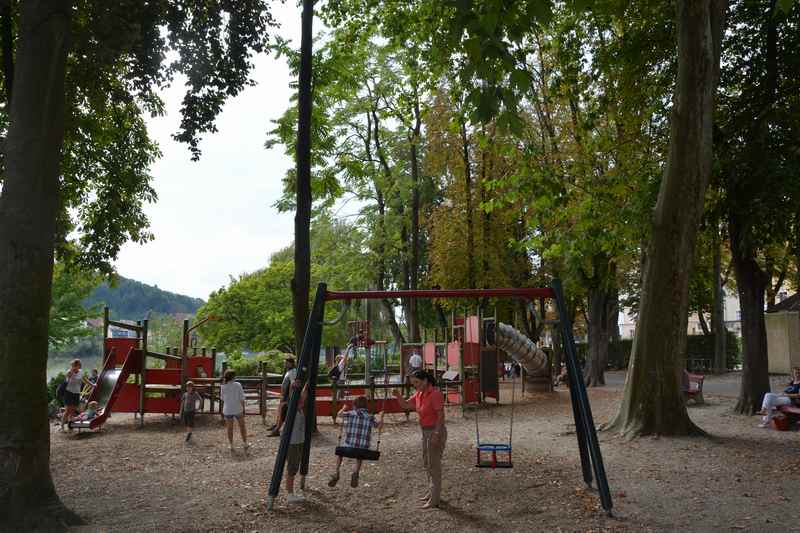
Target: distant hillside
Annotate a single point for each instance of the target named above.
(131, 300)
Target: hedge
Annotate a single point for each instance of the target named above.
(697, 347)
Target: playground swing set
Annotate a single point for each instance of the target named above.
(492, 335)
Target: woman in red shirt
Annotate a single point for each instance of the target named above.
(429, 405)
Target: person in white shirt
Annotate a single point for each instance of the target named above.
(232, 395)
(72, 391)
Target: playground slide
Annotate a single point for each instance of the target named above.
(109, 383)
(521, 348)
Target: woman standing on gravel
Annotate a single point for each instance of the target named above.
(72, 392)
(428, 402)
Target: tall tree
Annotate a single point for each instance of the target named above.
(760, 125)
(652, 401)
(28, 208)
(302, 217)
(124, 41)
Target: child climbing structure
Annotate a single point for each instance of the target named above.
(588, 445)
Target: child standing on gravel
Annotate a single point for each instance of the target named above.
(188, 406)
(296, 441)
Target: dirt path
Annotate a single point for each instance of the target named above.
(743, 478)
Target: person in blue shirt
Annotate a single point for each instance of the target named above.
(791, 394)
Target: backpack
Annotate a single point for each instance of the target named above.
(334, 373)
(61, 390)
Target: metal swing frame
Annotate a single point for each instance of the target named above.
(308, 364)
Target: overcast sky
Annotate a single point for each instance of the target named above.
(214, 218)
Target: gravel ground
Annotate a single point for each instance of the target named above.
(741, 478)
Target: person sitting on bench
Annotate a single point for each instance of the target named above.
(358, 424)
(791, 394)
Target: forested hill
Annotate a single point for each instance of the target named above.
(130, 299)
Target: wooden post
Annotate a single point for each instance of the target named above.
(203, 351)
(224, 368)
(334, 395)
(213, 372)
(105, 332)
(262, 399)
(143, 374)
(184, 361)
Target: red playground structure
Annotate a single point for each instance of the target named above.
(127, 385)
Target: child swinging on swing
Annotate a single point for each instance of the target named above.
(357, 428)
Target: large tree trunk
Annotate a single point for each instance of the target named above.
(28, 207)
(302, 217)
(751, 283)
(653, 402)
(718, 311)
(601, 292)
(598, 338)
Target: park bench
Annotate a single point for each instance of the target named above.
(695, 390)
(792, 411)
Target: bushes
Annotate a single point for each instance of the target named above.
(697, 347)
(248, 366)
(52, 402)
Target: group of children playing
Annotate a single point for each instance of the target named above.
(358, 423)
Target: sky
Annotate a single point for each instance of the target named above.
(214, 217)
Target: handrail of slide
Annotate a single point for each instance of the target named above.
(121, 378)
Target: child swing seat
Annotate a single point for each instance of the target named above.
(365, 454)
(493, 456)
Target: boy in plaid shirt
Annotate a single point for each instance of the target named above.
(358, 424)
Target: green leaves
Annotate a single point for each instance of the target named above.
(68, 315)
(255, 309)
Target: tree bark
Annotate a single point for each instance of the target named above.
(718, 311)
(598, 338)
(751, 284)
(653, 402)
(302, 217)
(29, 204)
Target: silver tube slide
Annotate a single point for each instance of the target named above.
(521, 348)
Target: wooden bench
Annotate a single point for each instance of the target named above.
(792, 411)
(695, 390)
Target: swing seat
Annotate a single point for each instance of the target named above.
(493, 461)
(365, 454)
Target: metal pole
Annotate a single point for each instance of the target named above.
(578, 391)
(318, 316)
(184, 355)
(313, 326)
